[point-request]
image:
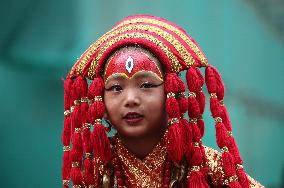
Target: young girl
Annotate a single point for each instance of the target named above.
(135, 87)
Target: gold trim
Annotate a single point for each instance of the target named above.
(218, 120)
(191, 94)
(75, 164)
(176, 67)
(193, 120)
(66, 182)
(213, 95)
(171, 94)
(98, 121)
(181, 34)
(224, 149)
(173, 121)
(77, 130)
(67, 112)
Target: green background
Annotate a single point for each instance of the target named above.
(40, 41)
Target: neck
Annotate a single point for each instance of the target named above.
(141, 147)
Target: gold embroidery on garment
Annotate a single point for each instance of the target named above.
(142, 173)
(216, 171)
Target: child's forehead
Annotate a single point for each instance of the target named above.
(130, 61)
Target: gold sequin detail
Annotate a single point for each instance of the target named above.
(142, 173)
(181, 34)
(214, 162)
(176, 67)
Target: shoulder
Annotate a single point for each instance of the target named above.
(214, 162)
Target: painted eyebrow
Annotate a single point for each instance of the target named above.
(115, 77)
(145, 74)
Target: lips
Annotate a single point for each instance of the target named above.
(133, 117)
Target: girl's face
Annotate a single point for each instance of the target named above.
(135, 97)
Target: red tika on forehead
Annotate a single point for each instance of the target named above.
(129, 63)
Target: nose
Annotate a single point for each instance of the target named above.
(132, 98)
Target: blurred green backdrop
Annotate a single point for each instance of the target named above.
(40, 40)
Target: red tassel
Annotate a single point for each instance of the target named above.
(76, 118)
(221, 135)
(196, 136)
(66, 134)
(214, 82)
(81, 86)
(88, 172)
(196, 180)
(96, 88)
(66, 167)
(234, 184)
(76, 176)
(215, 107)
(193, 107)
(187, 132)
(200, 124)
(77, 148)
(172, 83)
(172, 107)
(225, 118)
(174, 143)
(196, 157)
(228, 164)
(210, 80)
(96, 110)
(201, 100)
(243, 179)
(183, 104)
(235, 151)
(102, 148)
(67, 93)
(194, 83)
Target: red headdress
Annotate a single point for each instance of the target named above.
(177, 52)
